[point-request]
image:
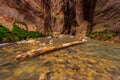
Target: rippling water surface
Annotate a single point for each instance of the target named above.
(93, 60)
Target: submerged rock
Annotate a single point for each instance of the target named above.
(5, 64)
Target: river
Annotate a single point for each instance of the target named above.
(93, 60)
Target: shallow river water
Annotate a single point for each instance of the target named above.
(93, 60)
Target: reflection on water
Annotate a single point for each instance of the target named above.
(93, 60)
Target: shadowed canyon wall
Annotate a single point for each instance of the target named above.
(74, 17)
(107, 16)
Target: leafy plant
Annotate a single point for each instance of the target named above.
(4, 32)
(33, 34)
(3, 28)
(17, 33)
(110, 36)
(95, 34)
(21, 33)
(106, 25)
(92, 35)
(99, 31)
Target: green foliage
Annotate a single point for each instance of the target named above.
(99, 31)
(95, 34)
(118, 18)
(23, 34)
(5, 33)
(92, 35)
(33, 34)
(1, 34)
(110, 35)
(106, 25)
(3, 28)
(17, 33)
(103, 34)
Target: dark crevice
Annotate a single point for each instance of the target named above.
(47, 10)
(88, 12)
(69, 12)
(88, 9)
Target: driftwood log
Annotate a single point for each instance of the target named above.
(38, 52)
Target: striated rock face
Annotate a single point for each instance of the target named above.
(47, 15)
(107, 16)
(107, 11)
(23, 11)
(7, 21)
(74, 17)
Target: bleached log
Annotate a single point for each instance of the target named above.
(38, 52)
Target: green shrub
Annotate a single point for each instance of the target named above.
(118, 18)
(21, 33)
(17, 33)
(95, 34)
(106, 25)
(1, 34)
(110, 36)
(4, 32)
(3, 28)
(33, 34)
(99, 31)
(92, 35)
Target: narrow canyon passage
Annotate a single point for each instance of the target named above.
(28, 27)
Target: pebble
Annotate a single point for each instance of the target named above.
(51, 41)
(5, 64)
(70, 51)
(41, 48)
(84, 40)
(49, 37)
(60, 36)
(42, 77)
(5, 70)
(46, 76)
(3, 44)
(30, 41)
(43, 44)
(20, 42)
(71, 36)
(92, 61)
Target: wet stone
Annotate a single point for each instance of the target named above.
(66, 63)
(47, 64)
(91, 61)
(56, 55)
(70, 51)
(5, 64)
(46, 76)
(2, 77)
(49, 75)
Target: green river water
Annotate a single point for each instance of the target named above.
(93, 60)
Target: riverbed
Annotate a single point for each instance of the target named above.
(93, 60)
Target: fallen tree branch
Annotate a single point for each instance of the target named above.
(38, 52)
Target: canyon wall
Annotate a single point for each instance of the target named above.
(64, 16)
(107, 17)
(74, 17)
